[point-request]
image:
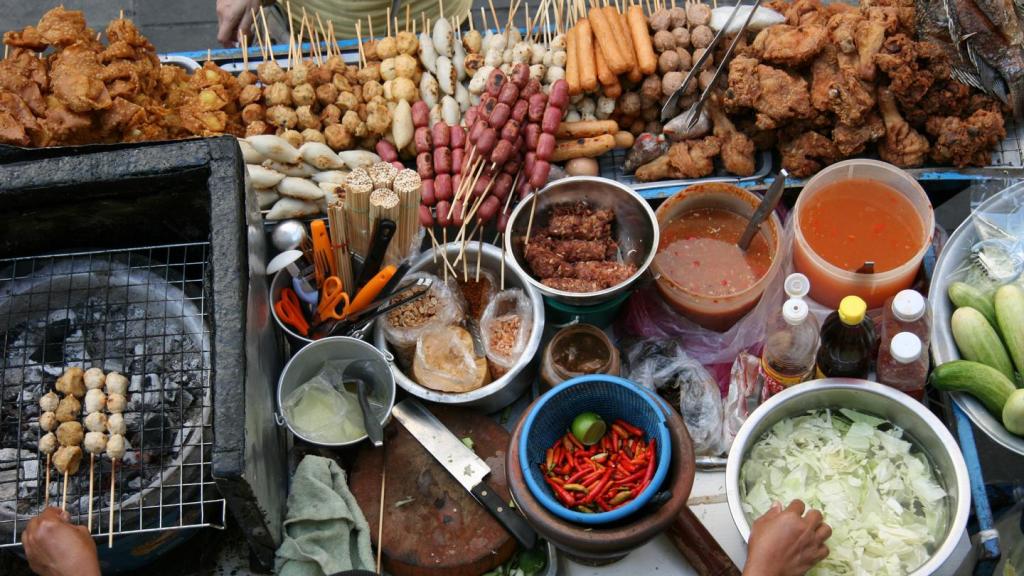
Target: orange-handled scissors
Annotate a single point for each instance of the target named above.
(289, 310)
(333, 295)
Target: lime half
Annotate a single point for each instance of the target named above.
(588, 428)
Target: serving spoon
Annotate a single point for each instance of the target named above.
(767, 205)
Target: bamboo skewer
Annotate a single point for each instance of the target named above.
(46, 497)
(64, 495)
(380, 519)
(480, 251)
(110, 524)
(444, 252)
(92, 469)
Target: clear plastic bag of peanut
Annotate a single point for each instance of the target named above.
(505, 327)
(441, 306)
(446, 361)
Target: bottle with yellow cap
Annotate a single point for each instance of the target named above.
(847, 341)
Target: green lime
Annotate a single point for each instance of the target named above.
(588, 428)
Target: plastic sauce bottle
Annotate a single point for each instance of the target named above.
(847, 341)
(904, 364)
(789, 349)
(907, 311)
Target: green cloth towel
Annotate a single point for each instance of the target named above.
(324, 530)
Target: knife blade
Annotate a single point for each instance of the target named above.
(463, 464)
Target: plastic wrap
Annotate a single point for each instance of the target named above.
(441, 306)
(997, 252)
(323, 411)
(446, 361)
(662, 364)
(505, 328)
(743, 395)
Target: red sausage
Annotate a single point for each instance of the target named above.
(457, 158)
(487, 106)
(398, 165)
(509, 93)
(495, 81)
(457, 218)
(513, 164)
(442, 212)
(539, 176)
(521, 74)
(499, 115)
(425, 165)
(441, 134)
(545, 146)
(386, 150)
(532, 133)
(560, 94)
(443, 160)
(529, 163)
(503, 219)
(426, 218)
(502, 152)
(477, 130)
(443, 187)
(420, 114)
(484, 145)
(524, 188)
(481, 184)
(510, 131)
(520, 110)
(428, 194)
(456, 182)
(458, 137)
(503, 186)
(552, 118)
(470, 116)
(488, 208)
(536, 107)
(532, 87)
(424, 143)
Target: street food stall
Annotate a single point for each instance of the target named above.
(585, 296)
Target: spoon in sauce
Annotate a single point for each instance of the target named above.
(767, 205)
(362, 373)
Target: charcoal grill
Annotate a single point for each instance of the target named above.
(140, 259)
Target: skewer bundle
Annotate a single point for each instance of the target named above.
(358, 187)
(338, 228)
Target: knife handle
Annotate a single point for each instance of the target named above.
(507, 517)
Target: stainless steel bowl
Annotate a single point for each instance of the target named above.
(958, 249)
(924, 430)
(503, 391)
(307, 362)
(635, 230)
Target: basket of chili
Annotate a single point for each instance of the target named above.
(613, 477)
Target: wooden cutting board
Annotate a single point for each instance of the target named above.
(440, 529)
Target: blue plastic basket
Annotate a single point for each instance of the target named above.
(612, 398)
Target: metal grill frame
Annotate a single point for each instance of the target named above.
(192, 501)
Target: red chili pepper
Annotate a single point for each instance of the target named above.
(596, 491)
(604, 506)
(625, 465)
(629, 428)
(574, 440)
(650, 467)
(560, 493)
(579, 475)
(567, 444)
(632, 478)
(620, 431)
(549, 459)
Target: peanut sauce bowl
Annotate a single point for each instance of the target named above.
(635, 230)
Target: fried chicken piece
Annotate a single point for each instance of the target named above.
(944, 98)
(12, 131)
(902, 145)
(75, 76)
(737, 148)
(61, 125)
(119, 50)
(20, 75)
(966, 142)
(851, 140)
(912, 67)
(807, 153)
(775, 95)
(122, 116)
(870, 37)
(694, 158)
(124, 30)
(851, 98)
(28, 38)
(902, 12)
(801, 11)
(790, 45)
(60, 27)
(12, 104)
(842, 28)
(824, 76)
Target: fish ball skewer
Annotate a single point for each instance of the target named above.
(98, 422)
(95, 401)
(48, 421)
(48, 402)
(115, 446)
(66, 460)
(70, 433)
(116, 383)
(95, 443)
(115, 451)
(68, 409)
(47, 445)
(116, 403)
(72, 382)
(94, 379)
(115, 424)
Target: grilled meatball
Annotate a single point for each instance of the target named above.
(72, 382)
(70, 433)
(67, 459)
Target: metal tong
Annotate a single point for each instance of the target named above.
(357, 326)
(692, 114)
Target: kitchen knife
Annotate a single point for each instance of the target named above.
(463, 464)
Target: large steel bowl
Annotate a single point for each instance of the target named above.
(503, 391)
(926, 432)
(635, 230)
(958, 249)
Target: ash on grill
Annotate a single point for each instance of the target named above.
(136, 320)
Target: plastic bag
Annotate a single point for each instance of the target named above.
(323, 412)
(505, 327)
(445, 361)
(743, 392)
(442, 305)
(478, 293)
(661, 365)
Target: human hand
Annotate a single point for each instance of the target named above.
(234, 17)
(55, 547)
(786, 542)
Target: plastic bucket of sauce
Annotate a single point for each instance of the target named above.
(699, 269)
(856, 211)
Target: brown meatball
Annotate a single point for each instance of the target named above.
(70, 433)
(250, 94)
(371, 90)
(651, 88)
(69, 409)
(326, 94)
(257, 128)
(331, 114)
(706, 77)
(371, 72)
(660, 20)
(664, 40)
(701, 36)
(277, 94)
(678, 16)
(270, 72)
(338, 138)
(407, 43)
(347, 101)
(310, 135)
(307, 118)
(341, 82)
(682, 36)
(252, 112)
(630, 103)
(353, 124)
(668, 61)
(304, 95)
(67, 459)
(72, 381)
(698, 14)
(707, 63)
(282, 116)
(247, 78)
(685, 59)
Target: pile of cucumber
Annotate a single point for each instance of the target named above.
(989, 333)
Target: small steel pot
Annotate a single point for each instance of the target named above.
(308, 361)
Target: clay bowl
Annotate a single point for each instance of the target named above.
(604, 544)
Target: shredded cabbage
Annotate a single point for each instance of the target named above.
(882, 499)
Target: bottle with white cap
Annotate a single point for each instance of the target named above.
(907, 311)
(789, 348)
(904, 364)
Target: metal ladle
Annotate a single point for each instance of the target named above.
(767, 205)
(362, 373)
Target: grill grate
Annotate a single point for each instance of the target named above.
(143, 312)
(1010, 153)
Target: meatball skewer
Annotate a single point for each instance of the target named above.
(95, 441)
(48, 443)
(117, 389)
(69, 433)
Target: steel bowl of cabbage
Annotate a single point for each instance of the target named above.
(886, 473)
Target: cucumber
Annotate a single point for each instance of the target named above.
(1009, 303)
(978, 341)
(988, 385)
(1013, 413)
(964, 295)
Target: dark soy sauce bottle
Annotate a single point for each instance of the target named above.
(847, 342)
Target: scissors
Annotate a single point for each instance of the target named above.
(289, 310)
(333, 294)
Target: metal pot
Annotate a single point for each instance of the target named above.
(925, 431)
(503, 391)
(635, 230)
(308, 361)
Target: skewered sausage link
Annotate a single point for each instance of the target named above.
(441, 134)
(458, 155)
(423, 140)
(428, 194)
(443, 187)
(425, 165)
(457, 137)
(442, 160)
(426, 218)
